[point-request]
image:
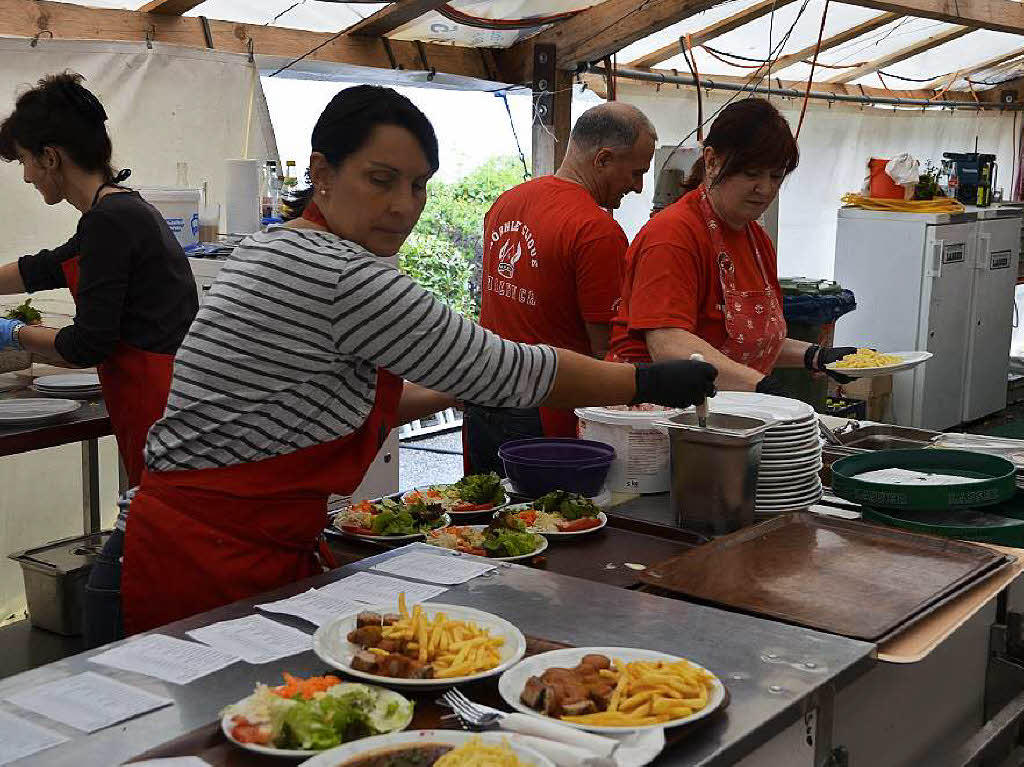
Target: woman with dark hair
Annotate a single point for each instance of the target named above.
(701, 275)
(134, 292)
(292, 375)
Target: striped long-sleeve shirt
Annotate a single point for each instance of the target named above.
(284, 352)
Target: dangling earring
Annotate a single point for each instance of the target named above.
(323, 192)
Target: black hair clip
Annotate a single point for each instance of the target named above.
(121, 177)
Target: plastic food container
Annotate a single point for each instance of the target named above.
(538, 466)
(641, 451)
(55, 576)
(180, 209)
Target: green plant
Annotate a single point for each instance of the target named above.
(445, 251)
(928, 183)
(439, 267)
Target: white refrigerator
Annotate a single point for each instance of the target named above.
(941, 283)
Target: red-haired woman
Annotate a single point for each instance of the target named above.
(701, 275)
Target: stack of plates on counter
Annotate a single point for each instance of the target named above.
(790, 455)
(69, 386)
(34, 412)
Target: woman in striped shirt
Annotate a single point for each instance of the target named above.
(292, 375)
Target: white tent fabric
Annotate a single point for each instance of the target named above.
(166, 105)
(835, 145)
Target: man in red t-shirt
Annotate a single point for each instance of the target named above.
(553, 263)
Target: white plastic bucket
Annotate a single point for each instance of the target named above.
(641, 451)
(180, 209)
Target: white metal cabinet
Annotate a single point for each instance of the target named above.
(995, 277)
(943, 326)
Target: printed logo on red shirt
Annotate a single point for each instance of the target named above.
(507, 260)
(510, 238)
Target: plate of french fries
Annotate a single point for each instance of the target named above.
(427, 646)
(868, 363)
(644, 690)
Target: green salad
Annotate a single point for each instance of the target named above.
(503, 542)
(342, 713)
(478, 489)
(570, 506)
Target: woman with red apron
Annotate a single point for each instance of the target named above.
(292, 375)
(701, 275)
(134, 293)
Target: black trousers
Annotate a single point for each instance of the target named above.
(488, 428)
(103, 622)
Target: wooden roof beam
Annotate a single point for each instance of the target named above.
(902, 54)
(997, 15)
(599, 31)
(170, 7)
(835, 40)
(25, 18)
(392, 16)
(982, 66)
(719, 28)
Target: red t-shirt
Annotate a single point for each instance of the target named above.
(553, 261)
(672, 270)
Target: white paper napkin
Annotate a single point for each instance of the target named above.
(635, 750)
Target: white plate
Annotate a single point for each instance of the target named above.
(35, 410)
(765, 406)
(800, 486)
(542, 547)
(330, 643)
(792, 505)
(908, 360)
(445, 519)
(792, 459)
(808, 435)
(368, 746)
(459, 514)
(298, 753)
(511, 684)
(69, 381)
(601, 516)
(77, 394)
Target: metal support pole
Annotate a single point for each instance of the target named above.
(709, 84)
(91, 486)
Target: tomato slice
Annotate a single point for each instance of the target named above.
(580, 524)
(245, 732)
(357, 530)
(463, 506)
(529, 517)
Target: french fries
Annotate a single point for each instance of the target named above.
(476, 753)
(651, 692)
(453, 647)
(866, 358)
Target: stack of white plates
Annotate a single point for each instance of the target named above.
(33, 412)
(790, 455)
(69, 386)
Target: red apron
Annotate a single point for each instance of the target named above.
(196, 540)
(135, 388)
(754, 321)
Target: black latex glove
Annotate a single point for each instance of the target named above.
(828, 355)
(771, 385)
(674, 383)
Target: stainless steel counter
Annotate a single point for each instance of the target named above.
(775, 673)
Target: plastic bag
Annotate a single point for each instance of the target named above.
(903, 169)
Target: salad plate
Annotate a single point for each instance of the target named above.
(390, 519)
(269, 723)
(487, 541)
(558, 515)
(471, 496)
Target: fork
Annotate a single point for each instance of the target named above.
(478, 716)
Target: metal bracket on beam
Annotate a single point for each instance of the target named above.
(422, 51)
(390, 53)
(150, 36)
(251, 48)
(35, 40)
(207, 34)
(543, 84)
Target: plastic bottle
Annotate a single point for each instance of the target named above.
(291, 178)
(270, 193)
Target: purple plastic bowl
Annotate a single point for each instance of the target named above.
(538, 466)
